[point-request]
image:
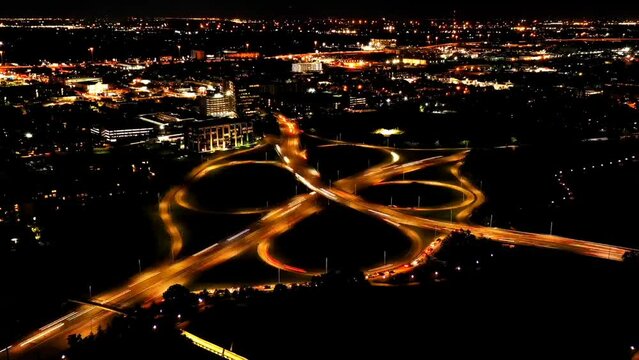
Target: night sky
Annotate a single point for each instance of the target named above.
(275, 8)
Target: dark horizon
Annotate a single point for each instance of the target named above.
(358, 8)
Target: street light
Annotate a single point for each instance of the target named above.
(91, 50)
(179, 51)
(1, 56)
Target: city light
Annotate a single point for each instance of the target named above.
(388, 132)
(372, 159)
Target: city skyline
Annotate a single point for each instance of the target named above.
(295, 188)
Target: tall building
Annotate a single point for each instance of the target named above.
(218, 104)
(304, 67)
(218, 134)
(248, 100)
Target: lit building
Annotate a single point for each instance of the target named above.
(198, 55)
(231, 55)
(307, 67)
(380, 44)
(218, 134)
(218, 104)
(247, 100)
(355, 102)
(91, 86)
(130, 130)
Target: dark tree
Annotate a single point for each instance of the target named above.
(179, 300)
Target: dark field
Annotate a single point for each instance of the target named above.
(405, 195)
(243, 187)
(525, 304)
(522, 191)
(347, 160)
(349, 239)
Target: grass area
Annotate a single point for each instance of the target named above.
(347, 160)
(242, 187)
(405, 195)
(347, 238)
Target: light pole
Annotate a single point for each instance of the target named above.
(1, 56)
(91, 50)
(179, 51)
(551, 228)
(140, 266)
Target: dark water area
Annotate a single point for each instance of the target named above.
(523, 190)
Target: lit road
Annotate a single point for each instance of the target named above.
(150, 285)
(310, 177)
(51, 338)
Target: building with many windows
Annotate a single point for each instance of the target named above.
(247, 100)
(307, 67)
(218, 134)
(357, 102)
(218, 104)
(124, 131)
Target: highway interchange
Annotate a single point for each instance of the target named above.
(413, 222)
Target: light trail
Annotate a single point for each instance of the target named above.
(58, 321)
(145, 278)
(213, 348)
(41, 335)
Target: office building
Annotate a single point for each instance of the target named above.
(218, 134)
(248, 100)
(122, 131)
(355, 102)
(305, 67)
(218, 104)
